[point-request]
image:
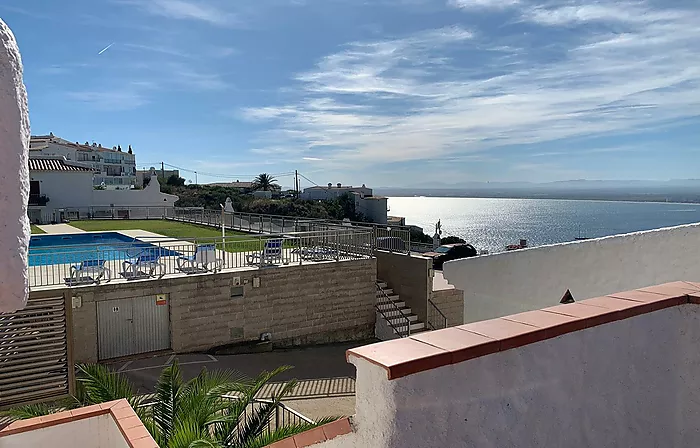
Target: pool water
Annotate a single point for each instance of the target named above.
(46, 250)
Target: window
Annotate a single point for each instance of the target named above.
(442, 249)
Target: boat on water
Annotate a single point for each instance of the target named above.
(521, 245)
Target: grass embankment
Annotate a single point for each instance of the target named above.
(235, 241)
(36, 230)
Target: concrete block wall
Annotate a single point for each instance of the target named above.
(410, 277)
(298, 305)
(451, 303)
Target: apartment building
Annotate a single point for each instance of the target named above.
(113, 168)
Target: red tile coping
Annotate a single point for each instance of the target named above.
(429, 350)
(323, 433)
(136, 435)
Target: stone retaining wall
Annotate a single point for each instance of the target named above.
(297, 305)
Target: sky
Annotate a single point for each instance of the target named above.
(397, 93)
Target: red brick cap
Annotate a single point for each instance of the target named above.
(323, 433)
(136, 435)
(430, 350)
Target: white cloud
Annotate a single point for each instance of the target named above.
(109, 100)
(490, 4)
(198, 10)
(413, 99)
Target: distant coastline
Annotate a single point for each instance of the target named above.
(556, 197)
(646, 193)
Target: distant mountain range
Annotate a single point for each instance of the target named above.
(677, 190)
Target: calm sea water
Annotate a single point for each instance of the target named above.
(491, 224)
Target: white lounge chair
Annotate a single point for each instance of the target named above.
(89, 270)
(144, 265)
(273, 253)
(204, 256)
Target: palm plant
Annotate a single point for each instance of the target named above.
(265, 182)
(195, 413)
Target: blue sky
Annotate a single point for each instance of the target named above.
(383, 92)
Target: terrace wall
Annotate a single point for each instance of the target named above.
(512, 282)
(612, 371)
(298, 305)
(410, 277)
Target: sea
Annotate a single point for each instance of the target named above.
(491, 224)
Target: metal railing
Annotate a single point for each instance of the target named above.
(395, 312)
(282, 416)
(384, 237)
(436, 318)
(147, 257)
(118, 212)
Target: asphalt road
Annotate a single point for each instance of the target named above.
(322, 371)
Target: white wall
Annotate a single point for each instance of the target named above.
(14, 176)
(149, 196)
(373, 208)
(101, 431)
(64, 188)
(632, 383)
(74, 190)
(512, 282)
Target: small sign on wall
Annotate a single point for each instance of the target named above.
(161, 299)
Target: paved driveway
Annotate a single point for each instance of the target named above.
(322, 371)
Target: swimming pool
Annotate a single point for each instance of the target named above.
(46, 250)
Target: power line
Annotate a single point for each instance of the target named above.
(308, 179)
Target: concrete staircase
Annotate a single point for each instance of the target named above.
(394, 313)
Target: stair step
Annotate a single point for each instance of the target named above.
(388, 306)
(393, 298)
(382, 284)
(401, 320)
(387, 291)
(393, 312)
(415, 327)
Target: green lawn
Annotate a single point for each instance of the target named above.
(36, 230)
(163, 227)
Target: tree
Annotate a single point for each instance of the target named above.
(265, 182)
(191, 413)
(175, 181)
(452, 240)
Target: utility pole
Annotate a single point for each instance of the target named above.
(296, 183)
(196, 182)
(162, 170)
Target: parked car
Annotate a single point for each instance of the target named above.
(449, 252)
(392, 243)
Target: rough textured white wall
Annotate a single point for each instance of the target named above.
(14, 176)
(508, 283)
(634, 382)
(101, 431)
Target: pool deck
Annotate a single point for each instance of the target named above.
(55, 229)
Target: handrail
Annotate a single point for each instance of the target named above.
(442, 315)
(400, 312)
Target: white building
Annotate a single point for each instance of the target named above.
(372, 207)
(333, 192)
(62, 189)
(114, 168)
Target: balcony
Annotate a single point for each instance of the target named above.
(38, 200)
